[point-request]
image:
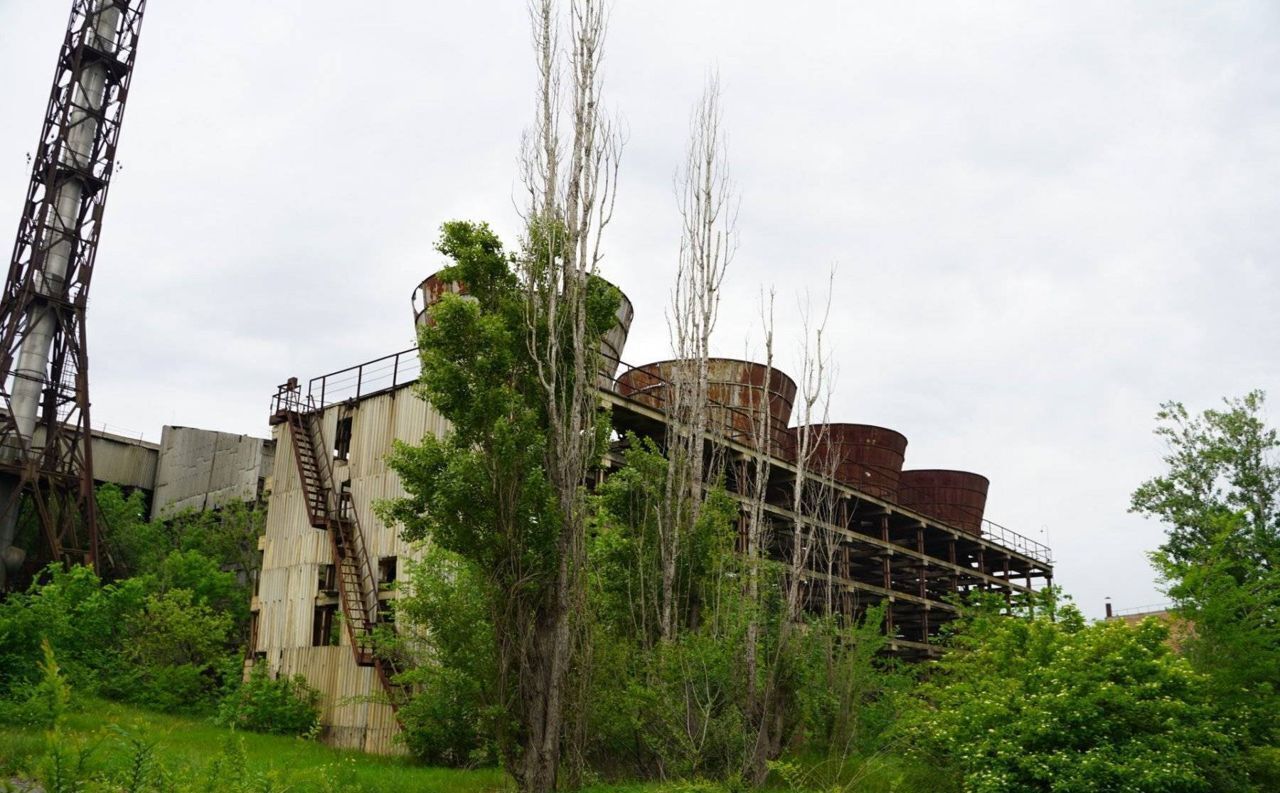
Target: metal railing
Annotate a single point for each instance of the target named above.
(1150, 608)
(404, 367)
(365, 379)
(1016, 542)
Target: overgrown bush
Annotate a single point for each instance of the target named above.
(451, 717)
(1044, 702)
(176, 645)
(132, 640)
(284, 706)
(84, 622)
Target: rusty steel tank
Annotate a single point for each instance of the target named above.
(429, 293)
(614, 341)
(434, 287)
(957, 498)
(739, 394)
(863, 456)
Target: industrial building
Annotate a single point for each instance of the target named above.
(907, 539)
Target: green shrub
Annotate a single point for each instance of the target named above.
(177, 646)
(450, 719)
(1047, 703)
(285, 706)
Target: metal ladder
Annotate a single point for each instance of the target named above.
(334, 511)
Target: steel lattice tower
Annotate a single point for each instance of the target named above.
(46, 466)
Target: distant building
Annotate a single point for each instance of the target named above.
(1179, 628)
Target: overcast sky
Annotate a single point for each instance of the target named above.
(1047, 217)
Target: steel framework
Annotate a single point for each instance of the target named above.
(45, 461)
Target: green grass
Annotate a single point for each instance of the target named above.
(193, 743)
(187, 744)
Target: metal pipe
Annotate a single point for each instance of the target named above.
(32, 370)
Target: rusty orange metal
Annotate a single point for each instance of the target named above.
(863, 456)
(742, 396)
(429, 293)
(957, 498)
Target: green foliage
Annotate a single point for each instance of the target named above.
(485, 495)
(207, 582)
(213, 553)
(228, 534)
(176, 644)
(283, 706)
(450, 719)
(52, 697)
(84, 622)
(133, 639)
(136, 545)
(1222, 476)
(1221, 558)
(681, 707)
(1042, 702)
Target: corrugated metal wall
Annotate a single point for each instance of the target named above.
(293, 551)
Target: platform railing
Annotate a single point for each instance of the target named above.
(1016, 542)
(402, 368)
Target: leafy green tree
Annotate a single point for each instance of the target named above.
(84, 622)
(228, 534)
(485, 493)
(678, 705)
(1219, 492)
(1221, 557)
(208, 583)
(1046, 703)
(135, 545)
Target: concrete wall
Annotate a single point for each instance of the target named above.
(119, 459)
(123, 461)
(205, 469)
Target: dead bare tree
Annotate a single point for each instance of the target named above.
(708, 241)
(571, 182)
(815, 388)
(768, 699)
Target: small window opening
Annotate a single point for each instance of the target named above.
(323, 626)
(328, 583)
(386, 571)
(342, 441)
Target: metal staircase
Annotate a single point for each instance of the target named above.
(331, 509)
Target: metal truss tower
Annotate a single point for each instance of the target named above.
(46, 467)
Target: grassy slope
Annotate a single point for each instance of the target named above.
(184, 742)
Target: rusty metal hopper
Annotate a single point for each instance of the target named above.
(429, 293)
(957, 498)
(434, 287)
(740, 395)
(863, 456)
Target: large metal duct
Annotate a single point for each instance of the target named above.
(741, 395)
(863, 456)
(957, 498)
(433, 288)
